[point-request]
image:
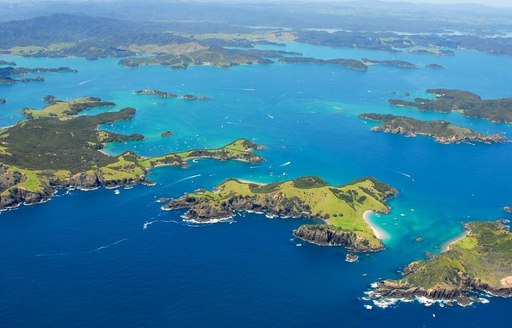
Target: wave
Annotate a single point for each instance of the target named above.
(148, 223)
(113, 244)
(51, 254)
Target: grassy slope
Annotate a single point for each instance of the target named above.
(341, 206)
(55, 144)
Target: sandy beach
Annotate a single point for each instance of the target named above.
(249, 181)
(378, 232)
(448, 244)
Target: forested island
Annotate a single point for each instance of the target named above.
(442, 131)
(9, 75)
(465, 102)
(32, 170)
(339, 209)
(211, 56)
(394, 63)
(348, 63)
(479, 262)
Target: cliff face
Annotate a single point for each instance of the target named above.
(464, 294)
(325, 235)
(203, 210)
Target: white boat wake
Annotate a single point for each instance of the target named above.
(87, 81)
(187, 178)
(285, 164)
(113, 244)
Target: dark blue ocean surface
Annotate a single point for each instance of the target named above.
(89, 259)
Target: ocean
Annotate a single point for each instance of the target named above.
(100, 259)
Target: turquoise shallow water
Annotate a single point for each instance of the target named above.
(84, 259)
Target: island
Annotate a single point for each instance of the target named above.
(193, 97)
(508, 209)
(2, 101)
(394, 63)
(166, 134)
(206, 56)
(480, 261)
(339, 210)
(442, 131)
(158, 93)
(7, 74)
(348, 63)
(55, 149)
(464, 102)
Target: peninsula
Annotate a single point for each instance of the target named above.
(32, 170)
(339, 209)
(479, 262)
(442, 131)
(465, 102)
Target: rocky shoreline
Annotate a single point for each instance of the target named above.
(476, 264)
(326, 235)
(442, 131)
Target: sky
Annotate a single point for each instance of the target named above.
(495, 3)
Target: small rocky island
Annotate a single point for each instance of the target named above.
(464, 102)
(31, 171)
(479, 262)
(194, 97)
(394, 63)
(2, 101)
(508, 209)
(442, 131)
(158, 93)
(166, 134)
(347, 63)
(338, 209)
(168, 95)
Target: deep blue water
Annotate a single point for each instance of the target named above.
(84, 259)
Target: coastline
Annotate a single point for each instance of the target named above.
(378, 232)
(446, 246)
